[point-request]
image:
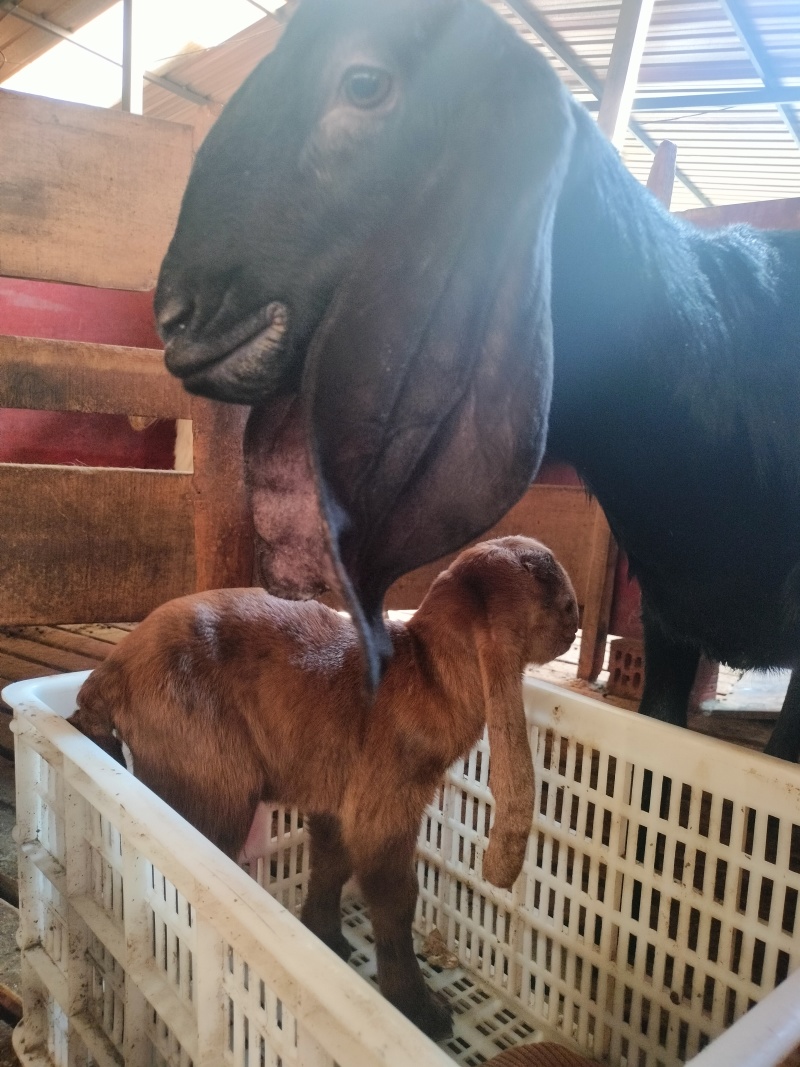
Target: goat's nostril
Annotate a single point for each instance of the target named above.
(174, 316)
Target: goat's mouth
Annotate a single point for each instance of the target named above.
(241, 366)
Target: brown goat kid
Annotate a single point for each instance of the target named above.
(233, 697)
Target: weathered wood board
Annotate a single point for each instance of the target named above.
(73, 205)
(561, 516)
(223, 523)
(75, 376)
(766, 215)
(83, 543)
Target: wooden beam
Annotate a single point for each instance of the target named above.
(43, 375)
(623, 69)
(223, 522)
(690, 101)
(764, 214)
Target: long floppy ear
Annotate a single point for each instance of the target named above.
(427, 387)
(511, 778)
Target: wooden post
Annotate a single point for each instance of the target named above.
(223, 525)
(132, 58)
(600, 591)
(661, 179)
(623, 69)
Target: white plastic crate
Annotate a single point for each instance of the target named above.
(658, 902)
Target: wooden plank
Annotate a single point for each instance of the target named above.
(17, 670)
(66, 640)
(766, 214)
(223, 525)
(600, 591)
(82, 543)
(108, 634)
(45, 375)
(623, 69)
(45, 655)
(561, 516)
(87, 195)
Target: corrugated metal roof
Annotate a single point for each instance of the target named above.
(212, 72)
(731, 155)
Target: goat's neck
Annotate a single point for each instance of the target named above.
(625, 280)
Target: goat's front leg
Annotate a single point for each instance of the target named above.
(785, 740)
(389, 882)
(669, 672)
(331, 866)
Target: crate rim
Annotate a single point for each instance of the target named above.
(324, 985)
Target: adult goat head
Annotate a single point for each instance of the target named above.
(332, 267)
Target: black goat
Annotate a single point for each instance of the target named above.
(401, 238)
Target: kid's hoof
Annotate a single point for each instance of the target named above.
(432, 1017)
(340, 945)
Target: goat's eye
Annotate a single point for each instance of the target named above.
(366, 87)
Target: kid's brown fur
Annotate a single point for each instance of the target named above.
(232, 697)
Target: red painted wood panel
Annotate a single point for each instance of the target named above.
(79, 313)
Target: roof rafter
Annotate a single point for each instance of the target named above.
(171, 86)
(559, 47)
(748, 34)
(741, 98)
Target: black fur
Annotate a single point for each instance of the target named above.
(414, 250)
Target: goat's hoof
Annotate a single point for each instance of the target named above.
(432, 1017)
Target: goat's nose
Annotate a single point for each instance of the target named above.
(174, 316)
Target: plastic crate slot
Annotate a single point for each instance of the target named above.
(781, 967)
(669, 970)
(737, 939)
(720, 881)
(699, 874)
(605, 836)
(749, 831)
(666, 797)
(693, 932)
(789, 910)
(743, 890)
(794, 852)
(757, 965)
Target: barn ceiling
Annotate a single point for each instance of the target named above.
(739, 147)
(21, 42)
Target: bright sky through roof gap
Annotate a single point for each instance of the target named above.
(169, 27)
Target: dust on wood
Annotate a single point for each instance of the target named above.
(85, 543)
(74, 206)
